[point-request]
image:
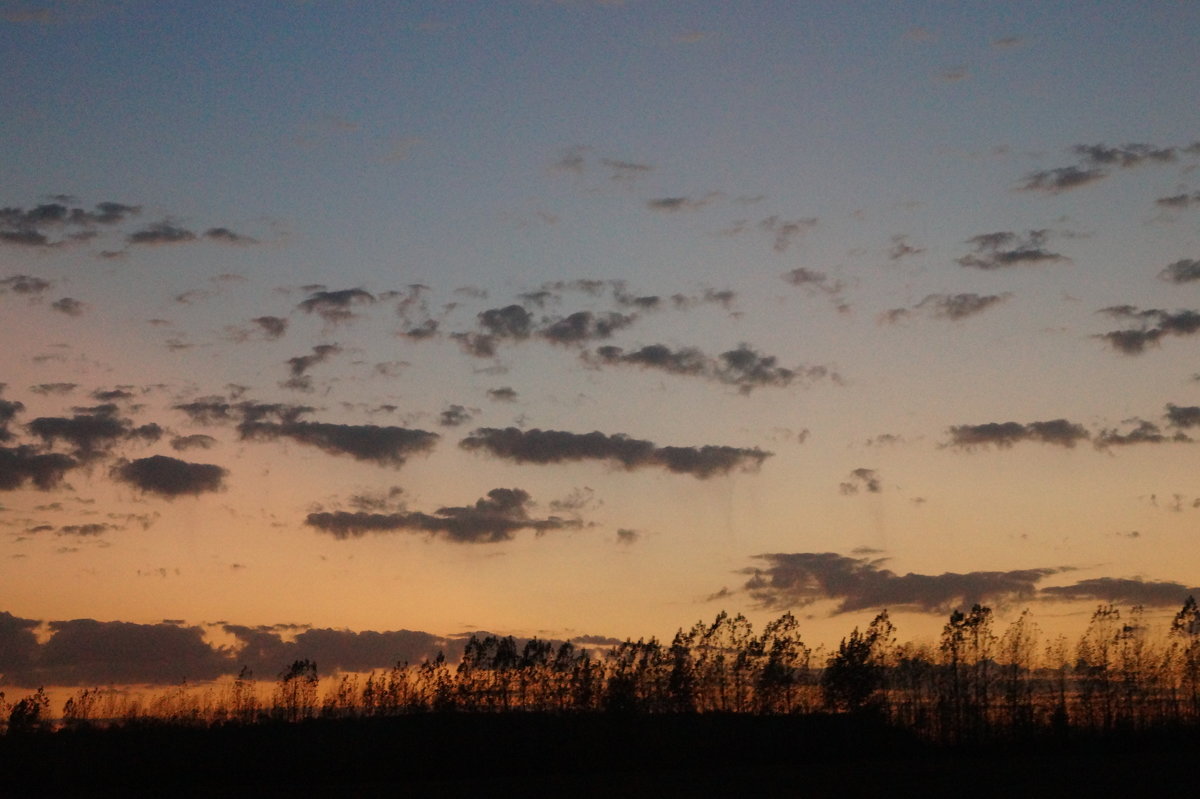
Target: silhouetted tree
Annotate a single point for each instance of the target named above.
(296, 691)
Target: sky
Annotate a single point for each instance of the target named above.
(360, 326)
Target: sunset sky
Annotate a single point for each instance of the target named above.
(586, 319)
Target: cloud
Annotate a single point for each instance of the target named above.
(18, 644)
(953, 307)
(336, 306)
(85, 530)
(1183, 416)
(24, 284)
(509, 322)
(195, 441)
(170, 477)
(272, 326)
(1155, 324)
(1179, 200)
(584, 326)
(48, 389)
(160, 233)
(89, 652)
(24, 464)
(1004, 249)
(1003, 435)
(497, 517)
(1143, 432)
(674, 204)
(454, 416)
(386, 446)
(1185, 270)
(90, 434)
(862, 479)
(264, 651)
(802, 578)
(224, 234)
(68, 306)
(744, 367)
(1096, 162)
(557, 446)
(502, 394)
(814, 281)
(30, 227)
(902, 249)
(1054, 181)
(1125, 591)
(786, 231)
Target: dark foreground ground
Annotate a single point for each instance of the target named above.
(580, 756)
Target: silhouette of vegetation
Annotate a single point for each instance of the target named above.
(976, 687)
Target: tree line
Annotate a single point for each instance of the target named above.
(976, 683)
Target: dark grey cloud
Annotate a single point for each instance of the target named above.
(386, 446)
(1096, 162)
(32, 227)
(802, 578)
(953, 307)
(673, 204)
(264, 651)
(8, 411)
(25, 465)
(1179, 201)
(298, 366)
(813, 281)
(625, 170)
(170, 477)
(69, 306)
(862, 479)
(164, 232)
(1185, 270)
(57, 389)
(502, 394)
(557, 446)
(85, 530)
(25, 284)
(1059, 432)
(18, 644)
(585, 326)
(786, 231)
(90, 433)
(1152, 593)
(494, 518)
(454, 416)
(1142, 432)
(901, 248)
(89, 652)
(509, 322)
(744, 367)
(1005, 249)
(1153, 325)
(227, 236)
(194, 441)
(1054, 181)
(272, 326)
(1183, 416)
(216, 410)
(336, 306)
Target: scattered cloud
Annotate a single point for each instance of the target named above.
(495, 518)
(862, 479)
(1003, 435)
(1154, 325)
(1005, 248)
(170, 477)
(744, 367)
(1185, 270)
(1097, 162)
(953, 307)
(557, 446)
(336, 306)
(386, 446)
(802, 578)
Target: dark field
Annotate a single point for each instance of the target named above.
(582, 755)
